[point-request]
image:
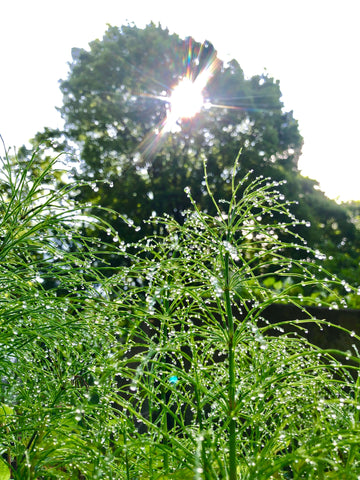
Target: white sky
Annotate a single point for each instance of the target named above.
(311, 46)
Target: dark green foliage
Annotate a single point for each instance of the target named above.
(110, 106)
(113, 105)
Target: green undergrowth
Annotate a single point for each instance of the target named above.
(163, 367)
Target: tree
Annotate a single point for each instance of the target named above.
(116, 100)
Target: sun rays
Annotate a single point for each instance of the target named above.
(188, 97)
(185, 100)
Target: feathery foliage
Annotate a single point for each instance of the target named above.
(164, 369)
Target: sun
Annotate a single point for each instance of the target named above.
(185, 102)
(186, 99)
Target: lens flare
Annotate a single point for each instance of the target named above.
(185, 100)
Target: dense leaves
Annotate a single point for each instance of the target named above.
(111, 104)
(115, 104)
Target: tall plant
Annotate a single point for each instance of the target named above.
(212, 394)
(56, 329)
(164, 368)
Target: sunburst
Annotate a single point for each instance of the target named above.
(185, 100)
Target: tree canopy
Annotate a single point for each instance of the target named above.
(116, 101)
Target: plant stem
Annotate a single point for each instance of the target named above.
(231, 389)
(126, 456)
(165, 415)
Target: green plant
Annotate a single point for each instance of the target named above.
(212, 395)
(163, 368)
(56, 325)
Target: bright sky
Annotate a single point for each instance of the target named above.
(311, 46)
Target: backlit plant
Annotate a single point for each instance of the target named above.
(163, 367)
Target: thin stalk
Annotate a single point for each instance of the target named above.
(126, 456)
(230, 325)
(165, 418)
(150, 450)
(199, 413)
(231, 389)
(165, 435)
